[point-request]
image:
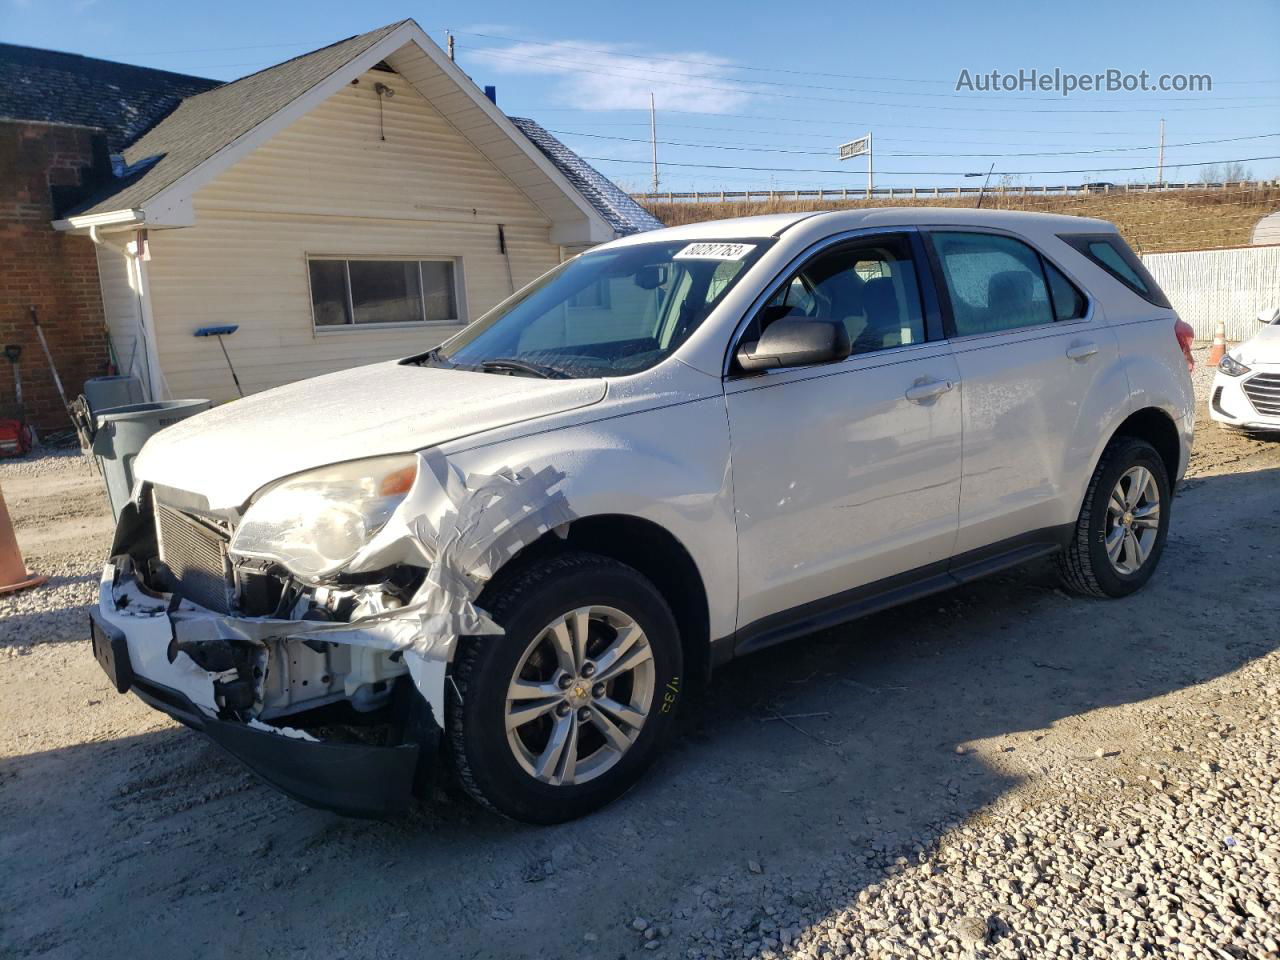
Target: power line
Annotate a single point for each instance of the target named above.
(700, 63)
(827, 153)
(928, 173)
(672, 79)
(720, 64)
(584, 47)
(495, 51)
(828, 137)
(843, 122)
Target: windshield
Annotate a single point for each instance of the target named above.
(605, 314)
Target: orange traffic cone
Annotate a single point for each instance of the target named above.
(1219, 344)
(13, 572)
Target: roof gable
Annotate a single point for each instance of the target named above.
(205, 124)
(209, 132)
(122, 100)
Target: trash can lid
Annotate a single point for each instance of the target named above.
(144, 411)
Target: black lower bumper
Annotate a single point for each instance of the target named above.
(356, 780)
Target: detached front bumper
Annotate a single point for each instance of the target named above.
(357, 780)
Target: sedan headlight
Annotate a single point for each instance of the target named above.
(315, 523)
(1232, 367)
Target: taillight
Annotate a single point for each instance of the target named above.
(1185, 334)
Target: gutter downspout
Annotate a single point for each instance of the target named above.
(140, 282)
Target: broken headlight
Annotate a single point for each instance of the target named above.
(314, 523)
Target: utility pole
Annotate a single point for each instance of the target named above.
(653, 136)
(449, 38)
(1160, 162)
(870, 180)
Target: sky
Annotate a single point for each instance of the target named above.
(754, 95)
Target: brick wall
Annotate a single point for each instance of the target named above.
(56, 273)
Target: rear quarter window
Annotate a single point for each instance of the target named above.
(1113, 255)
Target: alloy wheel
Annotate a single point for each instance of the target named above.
(1133, 520)
(580, 695)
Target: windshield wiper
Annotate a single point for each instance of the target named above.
(523, 366)
(432, 356)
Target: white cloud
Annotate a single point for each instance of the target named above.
(608, 78)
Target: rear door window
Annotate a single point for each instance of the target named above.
(999, 283)
(995, 282)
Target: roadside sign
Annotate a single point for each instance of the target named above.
(855, 148)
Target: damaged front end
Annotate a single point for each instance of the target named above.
(310, 634)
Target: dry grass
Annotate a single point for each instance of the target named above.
(1151, 222)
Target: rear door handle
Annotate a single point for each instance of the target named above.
(923, 392)
(1082, 350)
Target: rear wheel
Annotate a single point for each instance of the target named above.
(566, 710)
(1123, 523)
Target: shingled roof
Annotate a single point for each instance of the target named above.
(618, 209)
(205, 116)
(204, 124)
(121, 100)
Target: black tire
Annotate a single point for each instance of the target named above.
(524, 604)
(1084, 565)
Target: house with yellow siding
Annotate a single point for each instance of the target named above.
(354, 204)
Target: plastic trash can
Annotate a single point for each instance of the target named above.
(120, 434)
(102, 393)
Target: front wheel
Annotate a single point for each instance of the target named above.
(1123, 523)
(564, 711)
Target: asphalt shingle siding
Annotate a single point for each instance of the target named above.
(121, 100)
(618, 209)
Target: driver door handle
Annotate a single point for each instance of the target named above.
(923, 392)
(1082, 350)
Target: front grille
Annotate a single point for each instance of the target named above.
(195, 555)
(1263, 391)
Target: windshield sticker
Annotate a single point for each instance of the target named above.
(715, 251)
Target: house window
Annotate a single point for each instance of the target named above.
(367, 292)
(594, 296)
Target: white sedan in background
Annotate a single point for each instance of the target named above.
(1246, 389)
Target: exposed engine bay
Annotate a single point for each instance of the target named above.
(272, 641)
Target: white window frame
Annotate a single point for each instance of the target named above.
(459, 293)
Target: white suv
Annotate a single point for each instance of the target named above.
(519, 548)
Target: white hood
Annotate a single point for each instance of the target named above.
(1262, 347)
(230, 452)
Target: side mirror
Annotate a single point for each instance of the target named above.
(1270, 316)
(795, 341)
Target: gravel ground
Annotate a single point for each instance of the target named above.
(63, 521)
(999, 771)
